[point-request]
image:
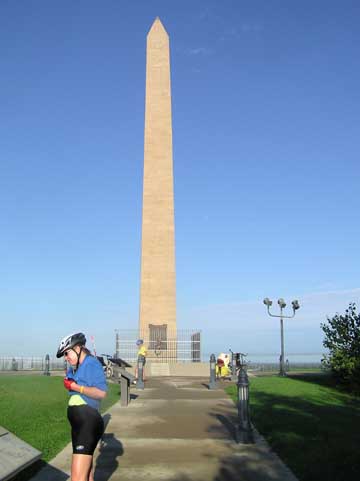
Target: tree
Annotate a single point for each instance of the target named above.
(342, 339)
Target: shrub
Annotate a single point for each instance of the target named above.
(342, 339)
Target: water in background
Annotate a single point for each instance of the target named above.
(294, 358)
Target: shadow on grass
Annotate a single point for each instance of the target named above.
(327, 380)
(317, 436)
(319, 378)
(342, 393)
(318, 440)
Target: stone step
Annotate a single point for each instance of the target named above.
(186, 460)
(159, 369)
(160, 459)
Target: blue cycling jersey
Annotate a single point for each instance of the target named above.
(89, 374)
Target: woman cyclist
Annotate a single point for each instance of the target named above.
(86, 383)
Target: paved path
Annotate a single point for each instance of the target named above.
(175, 430)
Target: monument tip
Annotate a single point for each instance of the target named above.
(157, 26)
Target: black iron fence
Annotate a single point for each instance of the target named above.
(18, 363)
(161, 344)
(290, 367)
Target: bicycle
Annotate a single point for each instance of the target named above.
(107, 365)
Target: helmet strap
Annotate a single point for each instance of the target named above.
(78, 358)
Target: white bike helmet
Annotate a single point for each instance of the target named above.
(70, 341)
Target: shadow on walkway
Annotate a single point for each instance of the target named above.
(52, 473)
(109, 450)
(106, 463)
(247, 467)
(250, 467)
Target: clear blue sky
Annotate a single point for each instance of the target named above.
(266, 129)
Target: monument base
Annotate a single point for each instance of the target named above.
(186, 369)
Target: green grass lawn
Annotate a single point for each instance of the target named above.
(312, 426)
(34, 409)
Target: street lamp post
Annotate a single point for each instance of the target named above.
(117, 344)
(282, 304)
(213, 384)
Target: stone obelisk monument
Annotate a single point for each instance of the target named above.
(157, 290)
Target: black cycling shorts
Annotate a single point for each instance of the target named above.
(142, 358)
(87, 427)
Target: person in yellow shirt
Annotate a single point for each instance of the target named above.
(222, 365)
(141, 355)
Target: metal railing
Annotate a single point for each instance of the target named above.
(19, 363)
(162, 346)
(274, 367)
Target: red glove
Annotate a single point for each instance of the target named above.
(68, 383)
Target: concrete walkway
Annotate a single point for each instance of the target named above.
(175, 430)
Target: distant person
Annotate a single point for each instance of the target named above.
(225, 358)
(14, 364)
(86, 383)
(141, 356)
(222, 365)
